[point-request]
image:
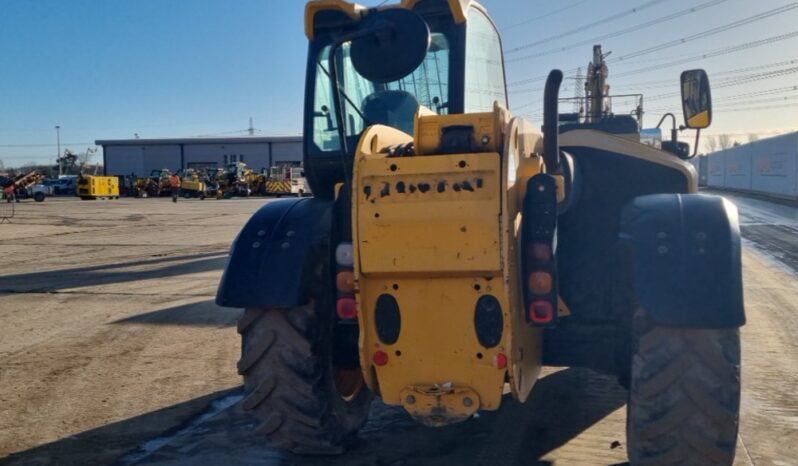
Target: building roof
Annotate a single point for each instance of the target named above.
(177, 141)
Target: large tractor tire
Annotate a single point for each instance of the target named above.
(303, 403)
(684, 399)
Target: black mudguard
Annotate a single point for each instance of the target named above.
(272, 260)
(685, 256)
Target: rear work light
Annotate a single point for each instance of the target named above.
(344, 255)
(539, 263)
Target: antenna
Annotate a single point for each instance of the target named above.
(251, 128)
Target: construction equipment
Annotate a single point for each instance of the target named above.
(98, 187)
(192, 184)
(212, 178)
(286, 179)
(234, 181)
(161, 178)
(28, 185)
(451, 250)
(128, 185)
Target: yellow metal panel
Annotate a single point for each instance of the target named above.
(98, 186)
(429, 214)
(521, 162)
(487, 130)
(437, 344)
(354, 11)
(278, 187)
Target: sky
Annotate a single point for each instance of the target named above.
(109, 69)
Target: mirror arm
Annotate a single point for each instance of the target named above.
(697, 136)
(674, 134)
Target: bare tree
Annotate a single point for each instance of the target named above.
(725, 141)
(753, 137)
(85, 158)
(711, 142)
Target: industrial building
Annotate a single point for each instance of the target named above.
(767, 166)
(141, 156)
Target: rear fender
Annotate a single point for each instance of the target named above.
(685, 255)
(273, 260)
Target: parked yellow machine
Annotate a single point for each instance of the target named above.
(451, 250)
(192, 184)
(97, 187)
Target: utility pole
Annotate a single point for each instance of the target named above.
(596, 86)
(251, 128)
(579, 93)
(58, 158)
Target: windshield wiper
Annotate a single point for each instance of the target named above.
(344, 94)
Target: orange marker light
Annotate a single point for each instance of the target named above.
(345, 281)
(540, 283)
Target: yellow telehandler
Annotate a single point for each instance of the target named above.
(452, 251)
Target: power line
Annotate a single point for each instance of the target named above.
(751, 109)
(702, 56)
(669, 82)
(736, 81)
(653, 22)
(727, 105)
(547, 15)
(581, 29)
(715, 53)
(48, 145)
(780, 90)
(710, 32)
(756, 102)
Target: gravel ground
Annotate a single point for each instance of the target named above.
(113, 352)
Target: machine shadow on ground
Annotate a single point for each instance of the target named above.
(202, 313)
(107, 444)
(562, 406)
(55, 280)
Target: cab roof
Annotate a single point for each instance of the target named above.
(459, 9)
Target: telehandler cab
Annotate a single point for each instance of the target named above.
(451, 250)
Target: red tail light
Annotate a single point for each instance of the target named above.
(380, 358)
(500, 361)
(541, 312)
(346, 307)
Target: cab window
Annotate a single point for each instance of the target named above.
(484, 70)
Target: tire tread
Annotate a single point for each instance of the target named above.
(684, 396)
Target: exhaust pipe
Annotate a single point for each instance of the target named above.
(551, 130)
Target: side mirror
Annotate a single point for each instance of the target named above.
(390, 45)
(696, 99)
